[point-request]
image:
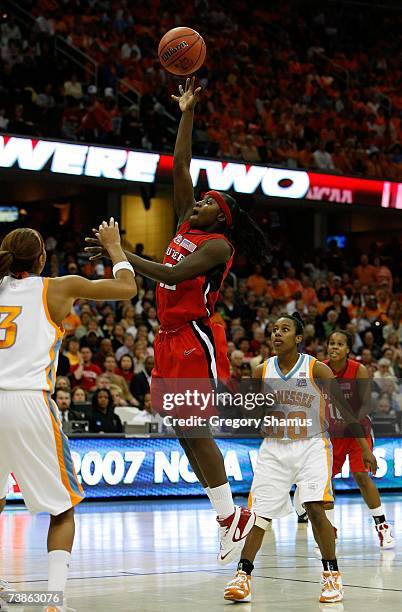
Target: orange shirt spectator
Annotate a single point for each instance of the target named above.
(257, 283)
(279, 290)
(365, 272)
(71, 323)
(292, 282)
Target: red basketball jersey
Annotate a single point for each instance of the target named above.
(347, 381)
(192, 299)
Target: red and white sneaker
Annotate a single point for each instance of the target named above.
(331, 587)
(385, 536)
(233, 530)
(239, 589)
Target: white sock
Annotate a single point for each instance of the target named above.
(222, 501)
(59, 564)
(208, 493)
(330, 514)
(377, 511)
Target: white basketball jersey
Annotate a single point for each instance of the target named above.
(299, 405)
(29, 340)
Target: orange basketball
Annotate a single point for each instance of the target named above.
(182, 51)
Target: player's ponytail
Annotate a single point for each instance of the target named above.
(247, 237)
(6, 260)
(20, 251)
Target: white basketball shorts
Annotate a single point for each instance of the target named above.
(34, 448)
(281, 464)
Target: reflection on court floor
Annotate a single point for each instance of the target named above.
(160, 556)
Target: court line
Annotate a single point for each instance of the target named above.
(124, 574)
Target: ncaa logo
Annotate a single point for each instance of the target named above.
(178, 239)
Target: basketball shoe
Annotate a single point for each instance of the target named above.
(239, 589)
(331, 587)
(385, 536)
(232, 531)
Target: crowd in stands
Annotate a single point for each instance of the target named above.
(309, 85)
(107, 354)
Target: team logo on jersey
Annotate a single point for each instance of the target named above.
(301, 382)
(178, 239)
(188, 245)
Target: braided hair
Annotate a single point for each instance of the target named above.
(298, 322)
(246, 236)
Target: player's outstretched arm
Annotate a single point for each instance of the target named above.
(183, 186)
(211, 254)
(63, 291)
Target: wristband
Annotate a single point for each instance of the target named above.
(122, 265)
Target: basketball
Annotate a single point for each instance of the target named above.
(182, 51)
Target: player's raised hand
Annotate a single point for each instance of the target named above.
(107, 237)
(188, 97)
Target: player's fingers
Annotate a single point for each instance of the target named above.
(92, 250)
(187, 84)
(181, 91)
(111, 222)
(91, 240)
(175, 98)
(198, 91)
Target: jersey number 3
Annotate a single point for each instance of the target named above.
(8, 329)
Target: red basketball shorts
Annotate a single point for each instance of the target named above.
(197, 350)
(342, 447)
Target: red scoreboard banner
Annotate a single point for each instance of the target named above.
(123, 166)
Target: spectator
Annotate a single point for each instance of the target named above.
(322, 159)
(384, 407)
(63, 401)
(79, 395)
(63, 382)
(126, 368)
(110, 366)
(105, 350)
(140, 383)
(369, 342)
(72, 353)
(257, 283)
(127, 348)
(85, 372)
(117, 396)
(103, 418)
(73, 88)
(235, 364)
(365, 272)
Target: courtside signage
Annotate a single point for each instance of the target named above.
(157, 467)
(122, 165)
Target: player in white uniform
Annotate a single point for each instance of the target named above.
(32, 444)
(296, 450)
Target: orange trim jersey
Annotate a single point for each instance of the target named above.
(195, 298)
(29, 340)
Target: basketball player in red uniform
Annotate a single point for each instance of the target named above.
(349, 372)
(189, 345)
